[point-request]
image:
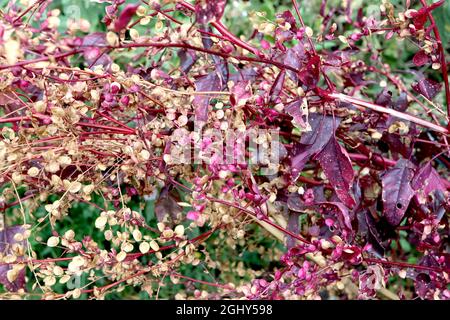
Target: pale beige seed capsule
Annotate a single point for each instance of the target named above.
(226, 219)
(12, 275)
(33, 172)
(18, 237)
(154, 245)
(182, 120)
(144, 247)
(141, 11)
(112, 38)
(127, 247)
(144, 21)
(100, 222)
(220, 114)
(179, 230)
(64, 160)
(58, 271)
(74, 187)
(108, 235)
(69, 235)
(76, 293)
(12, 48)
(64, 279)
(121, 256)
(52, 241)
(85, 25)
(343, 39)
(115, 67)
(134, 34)
(49, 281)
(137, 235)
(168, 233)
(145, 155)
(436, 66)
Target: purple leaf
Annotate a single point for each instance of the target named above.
(402, 102)
(207, 11)
(384, 98)
(288, 17)
(298, 110)
(211, 82)
(343, 213)
(337, 167)
(420, 58)
(367, 229)
(92, 52)
(292, 226)
(311, 142)
(397, 191)
(426, 180)
(166, 207)
(426, 87)
(277, 86)
(294, 57)
(187, 59)
(220, 64)
(295, 203)
(241, 91)
(7, 243)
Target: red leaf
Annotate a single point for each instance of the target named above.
(420, 58)
(420, 17)
(426, 180)
(428, 88)
(337, 167)
(207, 10)
(309, 75)
(397, 191)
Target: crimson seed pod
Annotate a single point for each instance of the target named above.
(125, 100)
(115, 87)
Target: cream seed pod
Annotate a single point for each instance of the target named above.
(53, 241)
(154, 245)
(144, 247)
(179, 230)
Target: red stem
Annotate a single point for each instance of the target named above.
(101, 126)
(443, 61)
(226, 33)
(217, 285)
(405, 265)
(364, 104)
(56, 57)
